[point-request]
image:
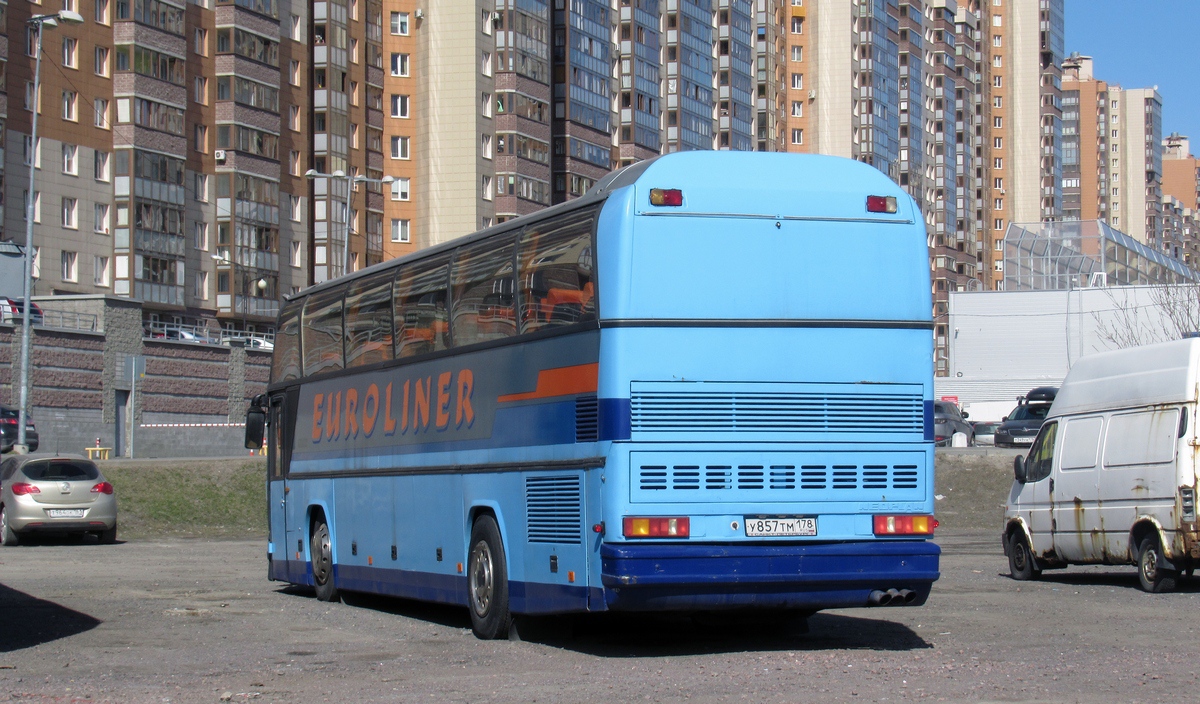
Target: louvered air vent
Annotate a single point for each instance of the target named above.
(587, 419)
(764, 412)
(554, 509)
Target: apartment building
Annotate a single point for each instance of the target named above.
(1024, 40)
(1181, 171)
(1112, 153)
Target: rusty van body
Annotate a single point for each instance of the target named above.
(1111, 477)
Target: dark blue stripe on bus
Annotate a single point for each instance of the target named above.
(929, 421)
(615, 417)
(524, 597)
(820, 575)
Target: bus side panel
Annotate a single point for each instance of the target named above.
(302, 499)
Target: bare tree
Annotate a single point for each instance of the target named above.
(1172, 312)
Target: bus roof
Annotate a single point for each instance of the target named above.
(723, 183)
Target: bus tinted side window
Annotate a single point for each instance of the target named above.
(482, 292)
(285, 365)
(556, 281)
(323, 332)
(369, 321)
(422, 323)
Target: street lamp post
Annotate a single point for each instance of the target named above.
(260, 284)
(350, 181)
(38, 23)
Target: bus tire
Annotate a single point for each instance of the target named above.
(322, 562)
(487, 581)
(1151, 577)
(1021, 563)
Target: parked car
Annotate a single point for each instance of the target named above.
(12, 310)
(9, 418)
(1111, 477)
(260, 343)
(49, 493)
(1020, 427)
(985, 432)
(948, 420)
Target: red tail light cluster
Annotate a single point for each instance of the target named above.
(666, 196)
(881, 204)
(103, 488)
(23, 488)
(656, 527)
(905, 525)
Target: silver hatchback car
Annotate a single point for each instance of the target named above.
(44, 492)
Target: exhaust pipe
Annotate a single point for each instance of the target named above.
(908, 595)
(879, 597)
(897, 599)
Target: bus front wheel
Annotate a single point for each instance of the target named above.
(322, 562)
(487, 581)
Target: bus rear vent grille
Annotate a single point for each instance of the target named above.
(587, 419)
(777, 477)
(554, 510)
(707, 412)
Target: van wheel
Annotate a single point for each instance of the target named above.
(1151, 577)
(1021, 564)
(322, 562)
(487, 581)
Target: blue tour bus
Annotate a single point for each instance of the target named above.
(705, 385)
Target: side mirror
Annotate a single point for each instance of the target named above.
(1019, 469)
(1004, 419)
(966, 415)
(256, 425)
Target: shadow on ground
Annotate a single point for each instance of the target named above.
(26, 621)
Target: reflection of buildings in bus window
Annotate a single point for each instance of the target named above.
(422, 323)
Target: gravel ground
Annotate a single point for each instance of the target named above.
(196, 621)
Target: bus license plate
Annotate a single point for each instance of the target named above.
(763, 526)
(65, 513)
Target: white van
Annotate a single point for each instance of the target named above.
(1111, 477)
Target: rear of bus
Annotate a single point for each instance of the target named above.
(766, 376)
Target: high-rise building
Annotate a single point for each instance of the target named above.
(1112, 153)
(1024, 40)
(583, 118)
(1181, 171)
(522, 137)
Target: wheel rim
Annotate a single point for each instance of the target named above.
(482, 578)
(323, 557)
(1149, 564)
(1020, 556)
(3, 525)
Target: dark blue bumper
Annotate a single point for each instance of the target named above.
(640, 577)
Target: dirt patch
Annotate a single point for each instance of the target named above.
(973, 484)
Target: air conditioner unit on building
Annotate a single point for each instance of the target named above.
(812, 94)
(219, 155)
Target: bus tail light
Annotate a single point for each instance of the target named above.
(657, 527)
(22, 488)
(881, 204)
(905, 525)
(669, 196)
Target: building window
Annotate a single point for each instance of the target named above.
(201, 139)
(100, 108)
(70, 52)
(201, 285)
(70, 266)
(485, 104)
(998, 163)
(102, 11)
(294, 118)
(400, 231)
(797, 81)
(399, 106)
(997, 81)
(797, 25)
(30, 41)
(485, 146)
(797, 108)
(399, 147)
(200, 188)
(200, 90)
(295, 259)
(294, 162)
(296, 35)
(997, 101)
(400, 65)
(997, 142)
(400, 23)
(102, 61)
(100, 218)
(797, 136)
(29, 98)
(997, 40)
(997, 20)
(485, 63)
(998, 122)
(486, 187)
(100, 166)
(996, 61)
(37, 206)
(30, 153)
(70, 161)
(294, 72)
(998, 225)
(400, 189)
(998, 184)
(998, 204)
(797, 53)
(200, 236)
(70, 213)
(70, 105)
(297, 208)
(100, 271)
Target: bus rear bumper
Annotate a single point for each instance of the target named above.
(639, 577)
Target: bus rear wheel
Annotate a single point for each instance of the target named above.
(322, 562)
(487, 581)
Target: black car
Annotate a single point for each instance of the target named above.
(1021, 426)
(9, 417)
(948, 420)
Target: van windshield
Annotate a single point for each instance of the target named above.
(1030, 412)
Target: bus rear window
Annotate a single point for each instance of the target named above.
(369, 321)
(285, 365)
(323, 332)
(556, 280)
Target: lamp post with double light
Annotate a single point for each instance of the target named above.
(37, 23)
(350, 181)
